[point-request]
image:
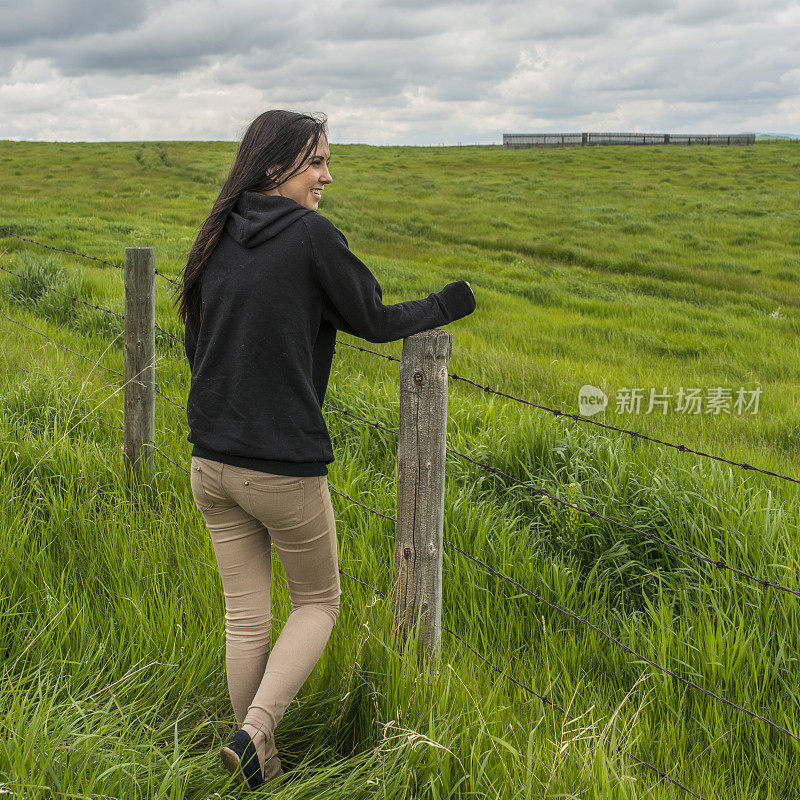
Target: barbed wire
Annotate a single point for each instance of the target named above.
(91, 305)
(576, 617)
(572, 718)
(60, 249)
(719, 563)
(91, 360)
(625, 647)
(75, 352)
(170, 400)
(53, 289)
(353, 500)
(681, 448)
(164, 455)
(11, 360)
(579, 418)
(716, 562)
(117, 427)
(80, 255)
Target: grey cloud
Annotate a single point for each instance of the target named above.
(22, 22)
(703, 12)
(397, 24)
(151, 60)
(178, 37)
(636, 8)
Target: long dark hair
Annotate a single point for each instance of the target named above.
(273, 141)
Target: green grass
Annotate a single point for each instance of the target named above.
(619, 267)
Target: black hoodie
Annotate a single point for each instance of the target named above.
(278, 285)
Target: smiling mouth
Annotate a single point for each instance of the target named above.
(316, 192)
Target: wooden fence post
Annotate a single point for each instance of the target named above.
(420, 491)
(140, 370)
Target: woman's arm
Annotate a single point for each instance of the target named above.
(353, 296)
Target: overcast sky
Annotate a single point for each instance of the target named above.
(418, 72)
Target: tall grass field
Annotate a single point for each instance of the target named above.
(664, 273)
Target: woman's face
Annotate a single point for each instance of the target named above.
(305, 187)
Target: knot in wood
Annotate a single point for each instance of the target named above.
(418, 377)
(407, 552)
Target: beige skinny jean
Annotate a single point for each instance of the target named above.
(246, 512)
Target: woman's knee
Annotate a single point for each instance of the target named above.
(252, 627)
(330, 607)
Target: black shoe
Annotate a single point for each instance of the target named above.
(241, 759)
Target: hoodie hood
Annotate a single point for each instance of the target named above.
(257, 217)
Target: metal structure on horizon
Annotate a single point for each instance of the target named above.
(517, 141)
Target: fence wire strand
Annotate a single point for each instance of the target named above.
(577, 618)
(75, 352)
(716, 562)
(92, 361)
(543, 698)
(579, 418)
(719, 563)
(91, 305)
(625, 647)
(79, 254)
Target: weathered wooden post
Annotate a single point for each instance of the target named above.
(140, 370)
(420, 491)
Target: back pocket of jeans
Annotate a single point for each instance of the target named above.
(277, 503)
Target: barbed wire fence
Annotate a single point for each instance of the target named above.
(719, 564)
(488, 389)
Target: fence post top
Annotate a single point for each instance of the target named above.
(435, 343)
(433, 333)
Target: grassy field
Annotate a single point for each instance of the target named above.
(620, 267)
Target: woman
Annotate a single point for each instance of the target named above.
(266, 286)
